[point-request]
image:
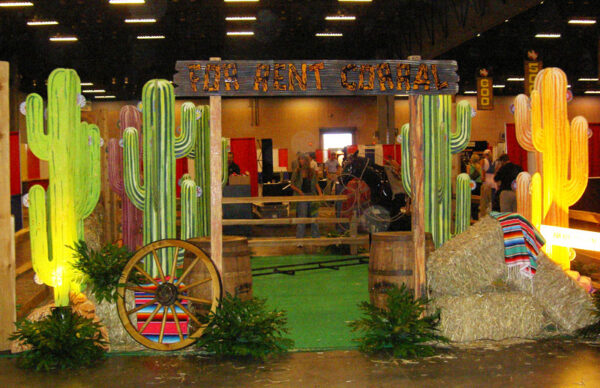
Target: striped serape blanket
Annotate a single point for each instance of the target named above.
(522, 242)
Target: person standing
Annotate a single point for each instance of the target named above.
(304, 182)
(232, 167)
(475, 175)
(506, 198)
(332, 171)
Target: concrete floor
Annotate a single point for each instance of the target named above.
(552, 363)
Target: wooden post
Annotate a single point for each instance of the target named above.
(385, 119)
(216, 188)
(7, 247)
(418, 197)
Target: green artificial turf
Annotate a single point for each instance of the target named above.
(319, 302)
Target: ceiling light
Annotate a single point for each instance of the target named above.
(588, 79)
(105, 97)
(498, 86)
(240, 18)
(63, 39)
(478, 35)
(16, 4)
(470, 92)
(340, 18)
(548, 36)
(93, 91)
(147, 20)
(582, 21)
(329, 34)
(240, 33)
(515, 79)
(86, 84)
(355, 1)
(592, 92)
(241, 1)
(151, 37)
(401, 95)
(42, 23)
(126, 2)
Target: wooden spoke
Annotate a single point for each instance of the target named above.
(193, 299)
(162, 326)
(177, 322)
(143, 306)
(139, 289)
(150, 318)
(160, 270)
(195, 284)
(187, 270)
(146, 274)
(174, 269)
(188, 313)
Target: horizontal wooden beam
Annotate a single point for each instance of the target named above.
(321, 241)
(581, 215)
(285, 221)
(295, 198)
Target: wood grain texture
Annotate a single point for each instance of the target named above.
(285, 221)
(418, 197)
(7, 245)
(216, 190)
(321, 241)
(313, 78)
(295, 198)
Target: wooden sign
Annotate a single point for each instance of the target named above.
(532, 68)
(485, 93)
(314, 78)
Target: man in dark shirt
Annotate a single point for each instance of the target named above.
(232, 168)
(504, 178)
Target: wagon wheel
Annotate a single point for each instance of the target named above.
(166, 294)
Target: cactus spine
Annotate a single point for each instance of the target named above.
(563, 150)
(72, 149)
(156, 197)
(132, 217)
(440, 143)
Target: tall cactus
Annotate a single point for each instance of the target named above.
(72, 149)
(440, 143)
(131, 218)
(156, 196)
(564, 152)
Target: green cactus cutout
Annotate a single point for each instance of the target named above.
(72, 149)
(439, 145)
(156, 197)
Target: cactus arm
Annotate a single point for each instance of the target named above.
(524, 195)
(536, 200)
(131, 168)
(115, 167)
(225, 168)
(523, 123)
(406, 167)
(184, 142)
(537, 136)
(577, 182)
(89, 194)
(37, 140)
(192, 154)
(188, 209)
(38, 229)
(463, 203)
(460, 139)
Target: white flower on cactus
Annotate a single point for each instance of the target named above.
(81, 100)
(180, 181)
(511, 108)
(590, 133)
(36, 279)
(90, 141)
(198, 191)
(198, 114)
(140, 106)
(121, 143)
(473, 185)
(473, 112)
(25, 200)
(23, 108)
(101, 142)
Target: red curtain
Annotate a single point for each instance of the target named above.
(181, 168)
(392, 151)
(594, 150)
(15, 164)
(244, 155)
(516, 154)
(283, 157)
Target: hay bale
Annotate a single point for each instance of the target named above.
(489, 316)
(470, 262)
(565, 302)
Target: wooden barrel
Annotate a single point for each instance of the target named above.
(236, 274)
(392, 262)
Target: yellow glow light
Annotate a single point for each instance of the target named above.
(571, 238)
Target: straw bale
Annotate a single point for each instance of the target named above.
(470, 262)
(490, 316)
(565, 302)
(118, 337)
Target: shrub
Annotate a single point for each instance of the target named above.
(102, 268)
(62, 340)
(402, 329)
(245, 329)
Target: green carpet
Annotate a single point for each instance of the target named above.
(319, 303)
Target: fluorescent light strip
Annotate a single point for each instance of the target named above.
(93, 91)
(470, 92)
(64, 39)
(240, 18)
(104, 97)
(355, 1)
(86, 84)
(592, 92)
(340, 18)
(146, 37)
(241, 1)
(515, 79)
(329, 34)
(118, 2)
(582, 21)
(548, 36)
(588, 80)
(17, 4)
(147, 20)
(499, 86)
(240, 33)
(42, 23)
